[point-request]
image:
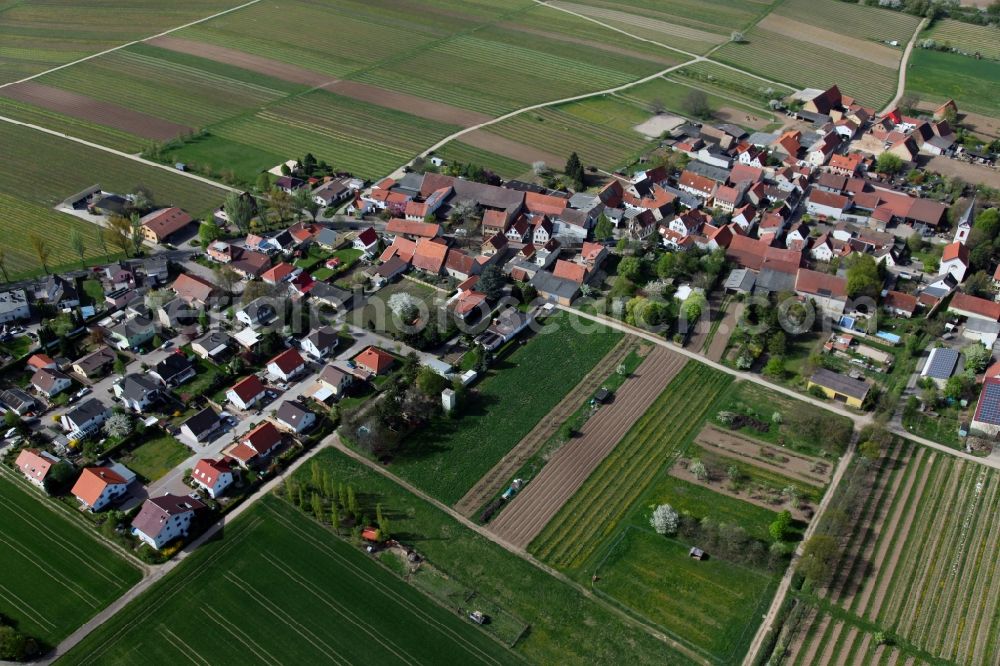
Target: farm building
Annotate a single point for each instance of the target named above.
(987, 418)
(941, 365)
(161, 224)
(840, 387)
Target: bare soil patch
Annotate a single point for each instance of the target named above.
(657, 125)
(494, 480)
(860, 48)
(417, 106)
(254, 63)
(508, 148)
(814, 644)
(970, 173)
(721, 487)
(643, 21)
(532, 509)
(93, 110)
(831, 644)
(765, 456)
(743, 118)
(724, 332)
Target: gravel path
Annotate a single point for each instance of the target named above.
(541, 499)
(494, 480)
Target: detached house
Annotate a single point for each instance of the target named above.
(133, 333)
(98, 487)
(174, 370)
(286, 365)
(332, 382)
(163, 519)
(294, 417)
(35, 465)
(321, 342)
(50, 382)
(214, 476)
(95, 363)
(246, 392)
(366, 241)
(193, 290)
(202, 425)
(85, 419)
(829, 292)
(375, 361)
(137, 392)
(259, 443)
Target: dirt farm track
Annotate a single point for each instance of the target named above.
(542, 498)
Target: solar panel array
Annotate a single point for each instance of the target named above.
(942, 363)
(988, 410)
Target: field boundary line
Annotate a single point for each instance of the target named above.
(127, 44)
(234, 630)
(34, 614)
(71, 585)
(520, 552)
(189, 654)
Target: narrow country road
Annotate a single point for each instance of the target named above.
(901, 84)
(162, 570)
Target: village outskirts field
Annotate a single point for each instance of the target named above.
(575, 569)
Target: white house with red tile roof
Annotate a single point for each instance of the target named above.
(35, 465)
(592, 255)
(366, 241)
(375, 360)
(40, 361)
(280, 273)
(568, 270)
(258, 443)
(954, 260)
(214, 476)
(286, 365)
(246, 392)
(99, 486)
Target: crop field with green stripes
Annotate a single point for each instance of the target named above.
(918, 564)
(36, 35)
(58, 573)
(966, 37)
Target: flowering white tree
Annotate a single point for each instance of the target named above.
(664, 519)
(118, 426)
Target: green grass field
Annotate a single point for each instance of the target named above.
(278, 584)
(461, 153)
(36, 35)
(726, 83)
(973, 84)
(712, 605)
(449, 456)
(58, 574)
(593, 514)
(671, 93)
(566, 626)
(40, 170)
(156, 457)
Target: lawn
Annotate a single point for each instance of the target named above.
(811, 431)
(456, 152)
(276, 584)
(376, 314)
(701, 503)
(566, 626)
(713, 605)
(449, 456)
(973, 84)
(672, 92)
(208, 378)
(58, 573)
(653, 443)
(28, 192)
(155, 457)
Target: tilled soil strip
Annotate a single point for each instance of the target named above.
(801, 633)
(95, 111)
(749, 451)
(846, 645)
(877, 585)
(416, 106)
(493, 481)
(987, 594)
(254, 63)
(531, 510)
(831, 644)
(515, 150)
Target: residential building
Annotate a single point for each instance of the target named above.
(164, 519)
(14, 306)
(259, 443)
(257, 312)
(829, 292)
(58, 292)
(286, 365)
(193, 290)
(96, 363)
(137, 392)
(50, 382)
(246, 392)
(132, 333)
(213, 346)
(375, 361)
(174, 370)
(294, 417)
(321, 342)
(35, 465)
(213, 476)
(18, 401)
(97, 487)
(366, 241)
(85, 418)
(332, 382)
(201, 426)
(974, 307)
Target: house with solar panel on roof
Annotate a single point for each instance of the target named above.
(987, 418)
(942, 365)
